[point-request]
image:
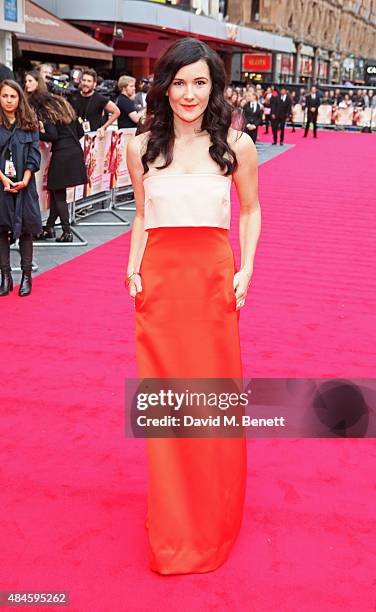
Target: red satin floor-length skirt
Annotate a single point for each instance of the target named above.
(187, 326)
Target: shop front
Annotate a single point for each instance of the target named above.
(285, 67)
(305, 68)
(49, 39)
(257, 67)
(322, 66)
(140, 31)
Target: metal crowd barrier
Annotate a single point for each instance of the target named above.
(105, 158)
(338, 118)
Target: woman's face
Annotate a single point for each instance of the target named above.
(189, 91)
(31, 84)
(9, 99)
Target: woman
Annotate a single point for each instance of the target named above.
(187, 292)
(58, 125)
(19, 204)
(237, 117)
(34, 82)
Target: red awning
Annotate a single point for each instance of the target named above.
(46, 33)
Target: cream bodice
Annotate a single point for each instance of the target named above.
(193, 200)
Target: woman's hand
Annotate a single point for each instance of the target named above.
(9, 185)
(133, 283)
(16, 187)
(242, 280)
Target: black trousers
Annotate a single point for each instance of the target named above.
(26, 251)
(311, 118)
(253, 134)
(278, 123)
(58, 208)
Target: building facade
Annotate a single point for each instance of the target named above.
(12, 19)
(139, 31)
(334, 39)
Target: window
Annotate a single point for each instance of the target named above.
(255, 10)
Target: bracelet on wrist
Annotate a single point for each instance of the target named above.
(129, 277)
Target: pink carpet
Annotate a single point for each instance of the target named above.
(73, 487)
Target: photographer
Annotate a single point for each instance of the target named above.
(59, 125)
(19, 203)
(89, 105)
(140, 97)
(46, 72)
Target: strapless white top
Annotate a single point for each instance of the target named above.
(178, 200)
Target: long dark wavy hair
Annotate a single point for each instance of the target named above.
(217, 116)
(50, 107)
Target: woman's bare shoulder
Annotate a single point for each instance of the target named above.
(238, 139)
(139, 143)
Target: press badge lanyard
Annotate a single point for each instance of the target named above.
(10, 169)
(86, 124)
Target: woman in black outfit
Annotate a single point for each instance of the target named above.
(59, 125)
(19, 203)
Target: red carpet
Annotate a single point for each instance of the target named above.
(73, 487)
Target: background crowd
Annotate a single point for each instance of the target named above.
(61, 108)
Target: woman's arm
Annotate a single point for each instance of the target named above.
(32, 164)
(33, 158)
(50, 133)
(246, 181)
(138, 236)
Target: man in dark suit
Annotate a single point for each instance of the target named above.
(312, 105)
(281, 108)
(252, 115)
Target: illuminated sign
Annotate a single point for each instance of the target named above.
(253, 62)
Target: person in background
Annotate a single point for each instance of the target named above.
(228, 93)
(302, 97)
(252, 112)
(326, 99)
(89, 105)
(59, 125)
(281, 108)
(34, 82)
(234, 99)
(140, 97)
(237, 122)
(129, 117)
(332, 96)
(267, 110)
(5, 73)
(337, 96)
(46, 72)
(20, 216)
(294, 101)
(370, 99)
(358, 100)
(312, 103)
(345, 102)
